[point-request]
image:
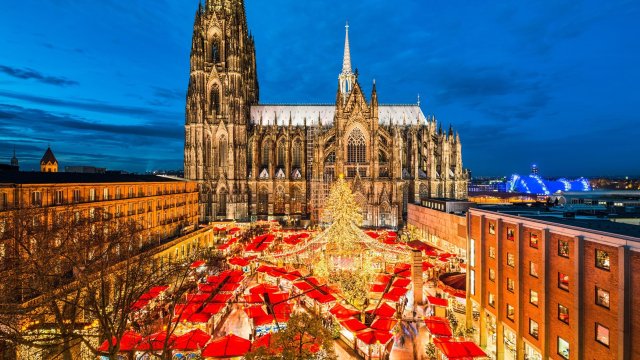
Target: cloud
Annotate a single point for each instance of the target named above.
(31, 74)
(89, 105)
(165, 97)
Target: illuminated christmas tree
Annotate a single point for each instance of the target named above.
(344, 214)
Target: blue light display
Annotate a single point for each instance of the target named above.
(534, 184)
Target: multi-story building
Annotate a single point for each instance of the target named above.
(541, 286)
(256, 161)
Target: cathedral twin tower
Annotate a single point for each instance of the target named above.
(256, 161)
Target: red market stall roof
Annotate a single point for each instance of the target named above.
(191, 341)
(459, 349)
(264, 341)
(353, 325)
(156, 341)
(372, 234)
(138, 305)
(437, 301)
(269, 319)
(230, 287)
(184, 310)
(263, 288)
(384, 310)
(233, 230)
(195, 298)
(383, 324)
(238, 261)
(253, 299)
(427, 265)
(371, 336)
(212, 308)
(227, 346)
(402, 282)
(197, 264)
(394, 294)
(401, 267)
(342, 312)
(377, 288)
(438, 326)
(383, 278)
(256, 311)
(128, 342)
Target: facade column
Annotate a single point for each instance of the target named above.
(543, 299)
(480, 275)
(499, 291)
(416, 274)
(624, 303)
(578, 298)
(520, 325)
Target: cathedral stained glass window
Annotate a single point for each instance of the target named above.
(297, 154)
(281, 153)
(222, 151)
(356, 147)
(266, 150)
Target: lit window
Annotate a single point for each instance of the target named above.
(563, 248)
(76, 196)
(511, 260)
(472, 280)
(59, 197)
(492, 300)
(602, 297)
(533, 269)
(472, 253)
(356, 147)
(602, 334)
(492, 275)
(105, 194)
(563, 281)
(563, 314)
(36, 198)
(492, 252)
(533, 240)
(533, 328)
(92, 194)
(511, 312)
(533, 297)
(511, 284)
(510, 234)
(563, 348)
(492, 228)
(602, 260)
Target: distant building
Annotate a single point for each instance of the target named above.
(85, 169)
(534, 184)
(14, 159)
(49, 163)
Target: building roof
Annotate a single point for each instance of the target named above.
(76, 178)
(539, 212)
(48, 157)
(279, 114)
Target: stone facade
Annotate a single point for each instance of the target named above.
(258, 161)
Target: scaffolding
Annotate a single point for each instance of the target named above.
(318, 183)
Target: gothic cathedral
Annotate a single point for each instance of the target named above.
(258, 161)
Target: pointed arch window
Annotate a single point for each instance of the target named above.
(296, 201)
(297, 154)
(266, 152)
(263, 202)
(331, 158)
(281, 153)
(222, 151)
(222, 203)
(356, 147)
(215, 99)
(215, 51)
(278, 206)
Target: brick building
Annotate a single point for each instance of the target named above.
(544, 287)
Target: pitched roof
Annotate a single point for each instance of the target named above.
(48, 157)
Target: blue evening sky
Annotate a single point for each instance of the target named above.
(555, 83)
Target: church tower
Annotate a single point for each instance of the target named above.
(223, 85)
(48, 163)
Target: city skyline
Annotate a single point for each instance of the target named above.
(105, 85)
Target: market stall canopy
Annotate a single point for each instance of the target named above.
(384, 310)
(459, 349)
(353, 325)
(128, 342)
(438, 326)
(227, 346)
(436, 301)
(383, 324)
(342, 312)
(156, 341)
(191, 341)
(371, 336)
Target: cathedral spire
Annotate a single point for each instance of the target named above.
(346, 60)
(346, 78)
